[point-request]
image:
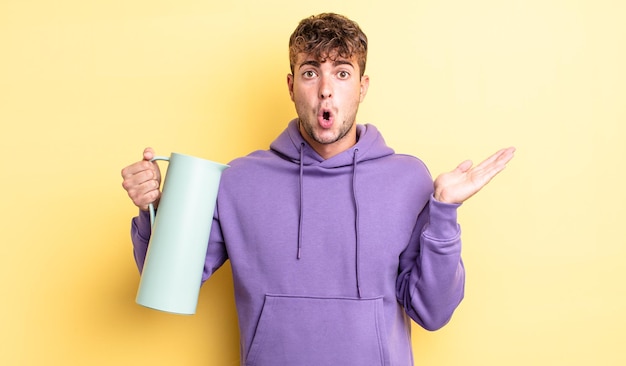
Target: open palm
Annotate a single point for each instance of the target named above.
(465, 181)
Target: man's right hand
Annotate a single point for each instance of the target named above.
(142, 181)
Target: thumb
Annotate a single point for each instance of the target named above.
(464, 166)
(148, 153)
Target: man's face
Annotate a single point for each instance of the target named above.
(326, 94)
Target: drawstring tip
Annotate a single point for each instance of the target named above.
(298, 256)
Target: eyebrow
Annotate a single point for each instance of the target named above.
(316, 63)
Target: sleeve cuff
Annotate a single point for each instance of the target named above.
(443, 223)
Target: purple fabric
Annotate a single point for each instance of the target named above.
(331, 258)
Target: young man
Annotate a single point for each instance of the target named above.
(335, 241)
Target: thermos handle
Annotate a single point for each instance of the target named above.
(151, 206)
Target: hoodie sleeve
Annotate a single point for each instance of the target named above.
(140, 235)
(216, 251)
(140, 231)
(431, 276)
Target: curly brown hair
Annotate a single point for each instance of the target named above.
(328, 35)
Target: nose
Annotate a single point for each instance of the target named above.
(326, 88)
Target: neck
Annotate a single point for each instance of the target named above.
(328, 150)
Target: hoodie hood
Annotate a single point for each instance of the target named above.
(292, 146)
(370, 145)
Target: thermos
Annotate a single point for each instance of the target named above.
(172, 272)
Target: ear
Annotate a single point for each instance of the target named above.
(290, 85)
(365, 84)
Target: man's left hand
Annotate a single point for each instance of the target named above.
(465, 181)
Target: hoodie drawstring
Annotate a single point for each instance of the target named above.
(356, 212)
(301, 199)
(356, 225)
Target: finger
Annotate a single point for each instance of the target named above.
(494, 157)
(138, 168)
(501, 157)
(133, 182)
(147, 175)
(145, 193)
(131, 170)
(148, 153)
(496, 166)
(507, 155)
(464, 166)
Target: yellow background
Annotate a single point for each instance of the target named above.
(86, 85)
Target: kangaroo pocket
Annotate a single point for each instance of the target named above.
(301, 331)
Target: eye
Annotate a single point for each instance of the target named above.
(309, 74)
(343, 74)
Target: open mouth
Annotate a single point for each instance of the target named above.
(325, 118)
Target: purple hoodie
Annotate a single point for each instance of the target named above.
(331, 258)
